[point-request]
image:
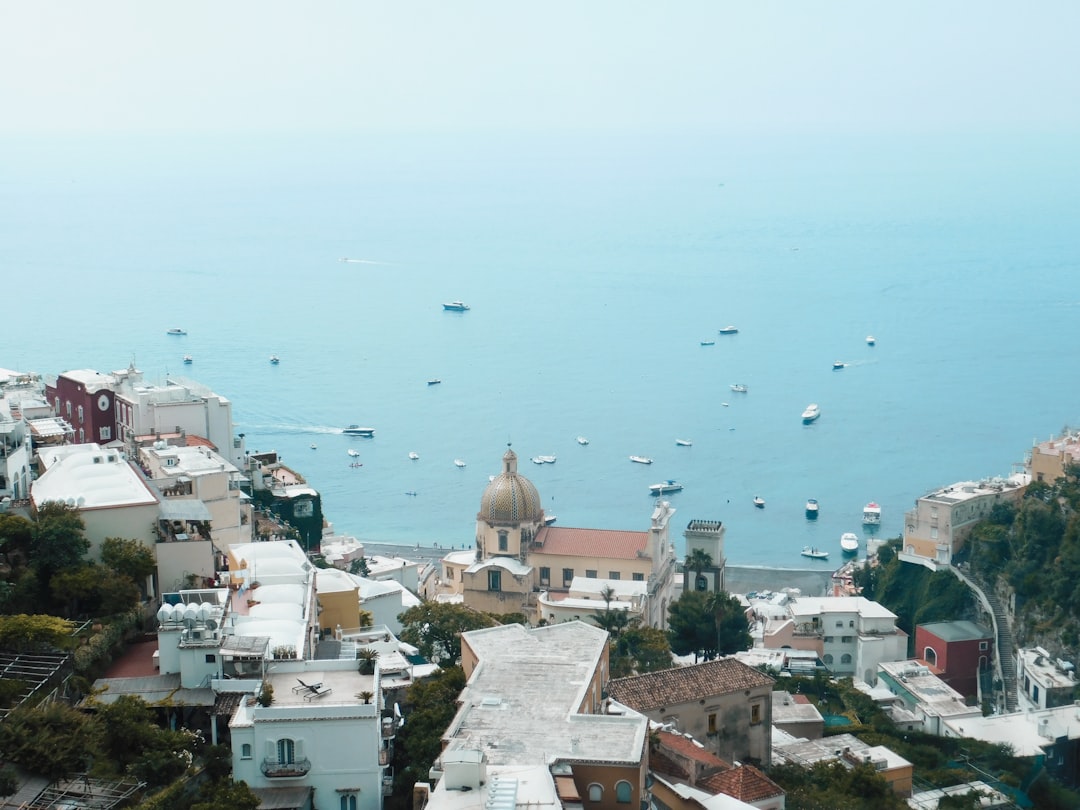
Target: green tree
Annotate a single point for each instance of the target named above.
(51, 741)
(93, 590)
(224, 794)
(58, 539)
(638, 650)
(692, 626)
(130, 558)
(131, 740)
(732, 627)
(359, 566)
(16, 537)
(430, 706)
(25, 632)
(698, 560)
(435, 629)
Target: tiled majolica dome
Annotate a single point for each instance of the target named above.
(510, 498)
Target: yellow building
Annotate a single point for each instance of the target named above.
(518, 557)
(1049, 459)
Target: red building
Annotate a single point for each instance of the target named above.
(957, 652)
(84, 399)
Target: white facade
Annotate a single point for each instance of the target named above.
(585, 600)
(856, 633)
(16, 453)
(928, 703)
(316, 733)
(1045, 681)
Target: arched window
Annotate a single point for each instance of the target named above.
(845, 658)
(286, 751)
(930, 656)
(701, 583)
(245, 751)
(623, 791)
(827, 659)
(596, 792)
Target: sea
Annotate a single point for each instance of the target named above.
(596, 267)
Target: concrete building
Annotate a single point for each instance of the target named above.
(518, 555)
(850, 750)
(961, 652)
(706, 536)
(530, 730)
(925, 702)
(796, 715)
(17, 392)
(937, 527)
(587, 598)
(1046, 681)
(850, 634)
(84, 398)
(724, 703)
(1049, 459)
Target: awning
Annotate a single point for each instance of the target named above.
(183, 509)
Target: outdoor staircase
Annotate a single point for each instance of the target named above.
(1005, 648)
(348, 651)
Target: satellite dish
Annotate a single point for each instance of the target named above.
(211, 624)
(189, 623)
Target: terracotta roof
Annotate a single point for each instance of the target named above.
(683, 684)
(745, 783)
(609, 543)
(659, 762)
(690, 750)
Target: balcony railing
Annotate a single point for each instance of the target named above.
(273, 769)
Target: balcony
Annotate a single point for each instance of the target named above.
(272, 769)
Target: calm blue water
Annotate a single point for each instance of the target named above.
(594, 268)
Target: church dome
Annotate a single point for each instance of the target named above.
(510, 498)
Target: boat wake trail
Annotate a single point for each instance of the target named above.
(347, 260)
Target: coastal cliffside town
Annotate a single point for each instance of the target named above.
(274, 636)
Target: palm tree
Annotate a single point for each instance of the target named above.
(697, 561)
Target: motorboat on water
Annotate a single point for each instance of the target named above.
(414, 456)
(582, 441)
(871, 514)
(435, 381)
(456, 306)
(641, 459)
(353, 453)
(546, 459)
(549, 519)
(728, 330)
(838, 365)
(870, 340)
(814, 553)
(684, 442)
(811, 413)
(665, 487)
(708, 343)
(357, 464)
(176, 331)
(314, 446)
(356, 430)
(411, 492)
(811, 508)
(187, 360)
(849, 542)
(458, 462)
(759, 502)
(274, 359)
(739, 388)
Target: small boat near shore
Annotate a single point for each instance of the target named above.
(759, 502)
(708, 343)
(811, 509)
(458, 462)
(274, 359)
(811, 413)
(728, 330)
(435, 381)
(414, 456)
(684, 443)
(814, 553)
(582, 441)
(849, 542)
(870, 340)
(838, 365)
(665, 487)
(353, 453)
(356, 430)
(871, 514)
(641, 459)
(456, 306)
(739, 388)
(176, 331)
(187, 359)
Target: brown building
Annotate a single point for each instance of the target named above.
(724, 703)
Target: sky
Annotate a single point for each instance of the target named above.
(220, 66)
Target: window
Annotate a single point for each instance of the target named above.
(211, 658)
(613, 575)
(827, 659)
(494, 580)
(590, 573)
(450, 574)
(348, 801)
(712, 723)
(755, 714)
(623, 791)
(67, 407)
(845, 658)
(304, 508)
(851, 623)
(504, 543)
(638, 577)
(79, 410)
(596, 792)
(545, 575)
(286, 751)
(82, 436)
(829, 639)
(840, 623)
(847, 639)
(567, 577)
(245, 751)
(984, 645)
(701, 583)
(105, 434)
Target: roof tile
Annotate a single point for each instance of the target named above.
(611, 543)
(683, 684)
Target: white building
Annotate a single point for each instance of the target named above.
(585, 600)
(1045, 681)
(925, 702)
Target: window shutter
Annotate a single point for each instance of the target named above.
(271, 750)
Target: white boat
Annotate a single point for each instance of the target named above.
(871, 514)
(684, 442)
(352, 452)
(811, 413)
(549, 519)
(665, 487)
(759, 502)
(849, 542)
(458, 462)
(870, 340)
(176, 331)
(546, 459)
(582, 440)
(356, 430)
(536, 460)
(728, 330)
(414, 456)
(838, 365)
(435, 381)
(641, 459)
(313, 446)
(456, 306)
(811, 508)
(274, 359)
(739, 388)
(708, 343)
(814, 553)
(187, 359)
